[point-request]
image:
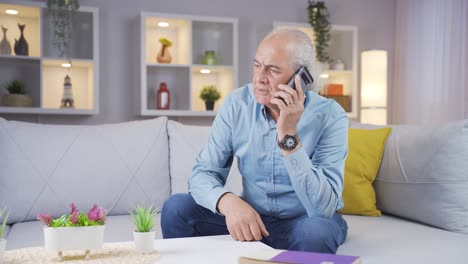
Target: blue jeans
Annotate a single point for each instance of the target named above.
(181, 216)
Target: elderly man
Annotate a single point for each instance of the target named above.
(291, 146)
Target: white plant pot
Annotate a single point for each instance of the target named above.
(73, 238)
(144, 242)
(2, 249)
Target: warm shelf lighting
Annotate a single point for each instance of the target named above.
(205, 71)
(11, 11)
(163, 24)
(374, 87)
(66, 65)
(324, 76)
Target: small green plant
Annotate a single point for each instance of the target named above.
(16, 87)
(143, 218)
(209, 93)
(165, 42)
(2, 227)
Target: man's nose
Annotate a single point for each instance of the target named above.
(262, 75)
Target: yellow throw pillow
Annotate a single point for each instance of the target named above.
(365, 151)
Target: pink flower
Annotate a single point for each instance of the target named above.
(73, 208)
(45, 218)
(97, 214)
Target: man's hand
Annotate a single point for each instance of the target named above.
(291, 107)
(242, 221)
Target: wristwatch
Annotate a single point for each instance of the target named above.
(289, 142)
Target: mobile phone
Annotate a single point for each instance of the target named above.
(306, 79)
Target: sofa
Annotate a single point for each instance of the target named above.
(421, 186)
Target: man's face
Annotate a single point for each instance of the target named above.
(272, 66)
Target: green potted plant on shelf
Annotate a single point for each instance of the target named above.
(61, 14)
(319, 20)
(209, 94)
(164, 56)
(143, 235)
(2, 229)
(17, 95)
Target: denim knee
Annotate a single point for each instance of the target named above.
(176, 206)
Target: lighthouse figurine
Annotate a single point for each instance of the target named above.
(67, 97)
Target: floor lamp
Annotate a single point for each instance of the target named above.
(374, 87)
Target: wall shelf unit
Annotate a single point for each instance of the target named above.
(342, 46)
(191, 37)
(41, 71)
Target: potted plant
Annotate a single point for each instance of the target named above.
(209, 94)
(61, 14)
(16, 95)
(319, 20)
(143, 235)
(164, 56)
(2, 241)
(74, 231)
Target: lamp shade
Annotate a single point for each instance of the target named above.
(374, 87)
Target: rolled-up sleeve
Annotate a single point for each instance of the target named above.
(209, 174)
(318, 180)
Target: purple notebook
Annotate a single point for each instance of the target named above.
(299, 257)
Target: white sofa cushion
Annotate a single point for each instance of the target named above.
(424, 174)
(185, 142)
(390, 240)
(43, 168)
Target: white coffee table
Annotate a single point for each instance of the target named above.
(204, 250)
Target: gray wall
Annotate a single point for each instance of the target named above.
(119, 43)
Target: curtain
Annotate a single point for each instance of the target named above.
(431, 62)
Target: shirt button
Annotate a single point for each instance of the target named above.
(294, 162)
(298, 168)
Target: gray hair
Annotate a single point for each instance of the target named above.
(304, 53)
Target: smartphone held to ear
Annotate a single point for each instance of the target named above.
(306, 79)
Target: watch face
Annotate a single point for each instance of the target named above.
(289, 142)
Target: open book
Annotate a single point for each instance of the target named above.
(296, 257)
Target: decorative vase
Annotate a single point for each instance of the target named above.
(5, 46)
(210, 58)
(85, 238)
(209, 106)
(338, 65)
(144, 241)
(2, 249)
(17, 100)
(164, 97)
(21, 45)
(67, 96)
(164, 56)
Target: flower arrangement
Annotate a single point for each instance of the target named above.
(143, 218)
(165, 42)
(2, 227)
(95, 217)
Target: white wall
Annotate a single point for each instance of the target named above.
(119, 38)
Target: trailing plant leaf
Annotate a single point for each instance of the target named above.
(319, 20)
(61, 14)
(2, 227)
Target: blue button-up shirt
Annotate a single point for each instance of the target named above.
(307, 181)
